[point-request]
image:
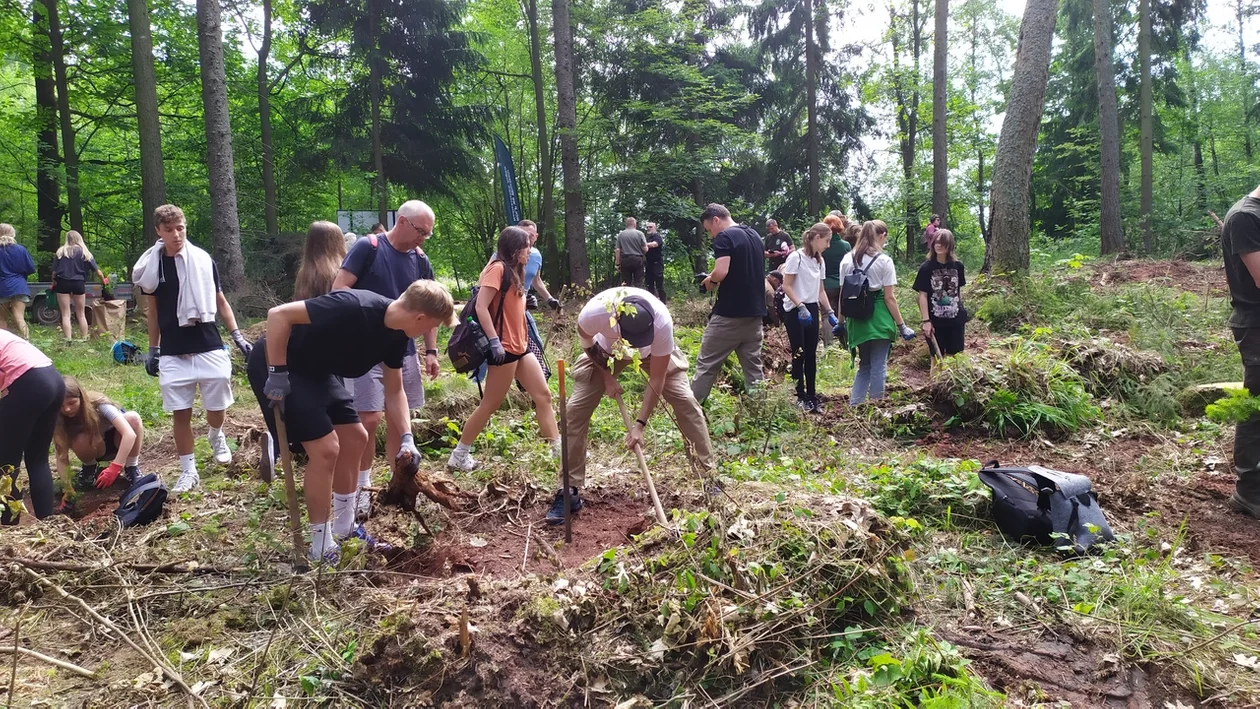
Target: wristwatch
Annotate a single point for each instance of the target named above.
(641, 422)
(430, 352)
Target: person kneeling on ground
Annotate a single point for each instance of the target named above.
(96, 429)
(310, 347)
(609, 325)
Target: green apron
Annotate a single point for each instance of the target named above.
(879, 326)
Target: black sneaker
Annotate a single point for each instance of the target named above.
(86, 477)
(806, 404)
(556, 514)
(131, 474)
(1240, 505)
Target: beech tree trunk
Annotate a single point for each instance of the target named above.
(566, 125)
(264, 117)
(811, 99)
(1109, 131)
(152, 174)
(940, 99)
(1012, 166)
(224, 220)
(1146, 129)
(48, 161)
(546, 171)
(68, 154)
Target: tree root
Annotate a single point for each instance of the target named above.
(410, 481)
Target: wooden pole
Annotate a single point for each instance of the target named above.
(290, 488)
(564, 460)
(638, 452)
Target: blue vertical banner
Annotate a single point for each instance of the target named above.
(507, 177)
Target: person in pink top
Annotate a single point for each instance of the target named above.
(31, 392)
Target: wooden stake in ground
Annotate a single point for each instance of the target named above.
(564, 461)
(638, 452)
(290, 488)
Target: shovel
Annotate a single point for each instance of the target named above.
(638, 452)
(290, 488)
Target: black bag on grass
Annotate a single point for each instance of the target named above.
(1040, 503)
(142, 502)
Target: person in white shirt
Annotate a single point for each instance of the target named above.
(804, 304)
(612, 327)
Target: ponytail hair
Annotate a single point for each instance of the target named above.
(866, 246)
(810, 238)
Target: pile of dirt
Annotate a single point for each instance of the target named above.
(1190, 276)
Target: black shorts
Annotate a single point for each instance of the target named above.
(70, 287)
(313, 407)
(111, 445)
(509, 358)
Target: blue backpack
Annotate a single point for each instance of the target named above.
(126, 353)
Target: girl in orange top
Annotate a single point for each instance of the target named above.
(502, 285)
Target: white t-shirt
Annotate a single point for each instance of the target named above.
(880, 270)
(809, 275)
(597, 320)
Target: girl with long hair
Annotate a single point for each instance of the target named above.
(71, 267)
(501, 313)
(832, 257)
(804, 303)
(322, 254)
(15, 265)
(873, 336)
(939, 283)
(97, 429)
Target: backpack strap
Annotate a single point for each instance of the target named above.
(376, 245)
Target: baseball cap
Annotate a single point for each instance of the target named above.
(635, 321)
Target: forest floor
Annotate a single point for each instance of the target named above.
(846, 558)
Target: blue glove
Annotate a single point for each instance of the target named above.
(151, 364)
(906, 332)
(242, 344)
(277, 386)
(833, 320)
(802, 314)
(841, 333)
(497, 353)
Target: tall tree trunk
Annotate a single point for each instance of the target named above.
(152, 174)
(566, 125)
(270, 207)
(940, 139)
(224, 220)
(1146, 130)
(907, 99)
(48, 161)
(1242, 12)
(68, 154)
(1012, 167)
(546, 171)
(811, 99)
(1108, 130)
(375, 74)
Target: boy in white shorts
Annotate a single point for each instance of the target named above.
(186, 353)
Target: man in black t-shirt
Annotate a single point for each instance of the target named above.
(1240, 243)
(735, 326)
(310, 348)
(778, 245)
(655, 262)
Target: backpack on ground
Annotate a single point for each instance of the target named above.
(125, 352)
(469, 346)
(1052, 507)
(856, 299)
(142, 502)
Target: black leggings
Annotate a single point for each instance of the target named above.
(28, 415)
(804, 340)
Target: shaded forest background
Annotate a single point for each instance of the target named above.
(259, 117)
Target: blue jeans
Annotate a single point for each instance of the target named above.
(480, 376)
(872, 372)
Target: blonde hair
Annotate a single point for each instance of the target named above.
(428, 297)
(167, 214)
(811, 237)
(866, 240)
(74, 246)
(86, 421)
(8, 236)
(322, 254)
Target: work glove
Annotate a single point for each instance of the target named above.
(407, 452)
(833, 321)
(242, 344)
(105, 280)
(841, 333)
(553, 303)
(531, 302)
(108, 476)
(497, 354)
(151, 364)
(277, 386)
(906, 332)
(803, 314)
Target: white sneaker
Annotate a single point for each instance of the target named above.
(461, 461)
(219, 446)
(187, 481)
(362, 505)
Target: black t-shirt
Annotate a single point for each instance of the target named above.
(657, 253)
(176, 340)
(1241, 235)
(347, 336)
(943, 283)
(777, 242)
(742, 293)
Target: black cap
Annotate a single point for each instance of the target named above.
(635, 320)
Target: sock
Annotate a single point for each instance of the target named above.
(343, 515)
(365, 478)
(188, 463)
(133, 461)
(462, 449)
(321, 540)
(214, 433)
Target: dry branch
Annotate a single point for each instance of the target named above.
(50, 660)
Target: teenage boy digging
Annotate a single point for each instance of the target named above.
(181, 285)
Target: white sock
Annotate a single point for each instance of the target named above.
(214, 433)
(321, 540)
(133, 461)
(343, 514)
(365, 478)
(188, 463)
(462, 449)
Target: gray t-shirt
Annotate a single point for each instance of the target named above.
(108, 413)
(632, 242)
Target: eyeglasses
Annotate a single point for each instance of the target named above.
(421, 232)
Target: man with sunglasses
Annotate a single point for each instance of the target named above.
(387, 264)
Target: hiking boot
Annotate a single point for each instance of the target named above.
(267, 460)
(1240, 505)
(86, 477)
(219, 446)
(188, 480)
(461, 461)
(369, 541)
(555, 515)
(131, 474)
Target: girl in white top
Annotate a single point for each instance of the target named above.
(804, 302)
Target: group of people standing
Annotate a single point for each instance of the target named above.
(640, 258)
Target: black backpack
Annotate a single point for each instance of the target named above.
(142, 502)
(1046, 506)
(856, 299)
(469, 346)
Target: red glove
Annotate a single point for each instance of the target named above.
(108, 476)
(104, 280)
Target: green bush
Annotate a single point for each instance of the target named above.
(1239, 406)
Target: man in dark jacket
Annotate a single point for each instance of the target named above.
(1240, 244)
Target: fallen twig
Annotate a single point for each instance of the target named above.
(525, 557)
(70, 666)
(175, 567)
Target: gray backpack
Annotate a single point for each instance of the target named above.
(1052, 507)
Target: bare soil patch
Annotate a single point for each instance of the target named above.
(1193, 277)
